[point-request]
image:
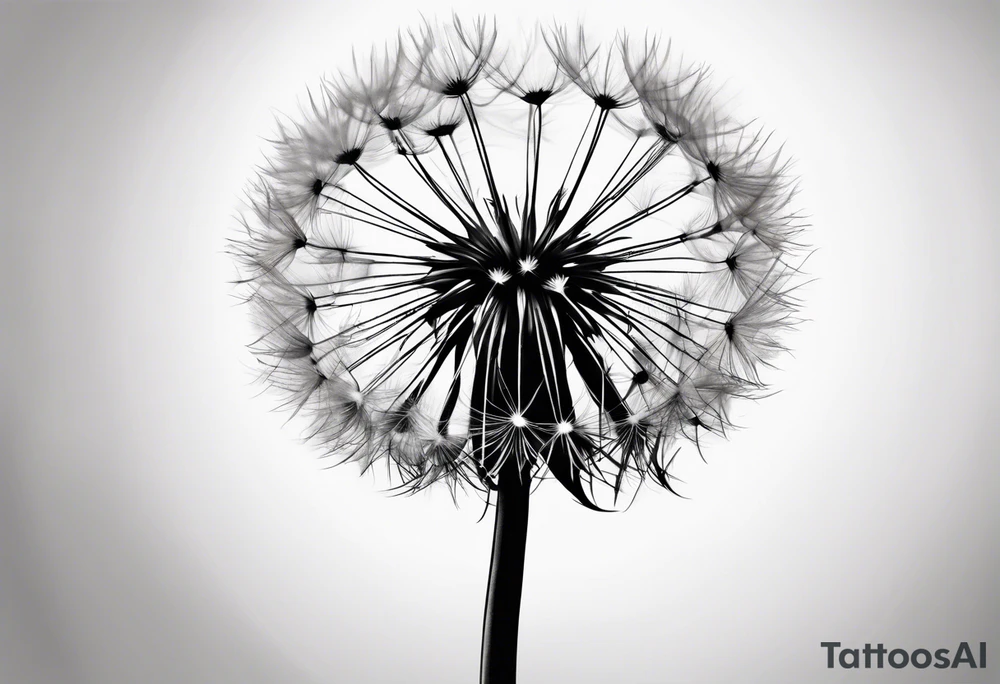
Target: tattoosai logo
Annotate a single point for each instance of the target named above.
(898, 658)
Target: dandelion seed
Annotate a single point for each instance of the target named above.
(527, 70)
(450, 59)
(381, 90)
(597, 71)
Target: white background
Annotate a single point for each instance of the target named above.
(159, 524)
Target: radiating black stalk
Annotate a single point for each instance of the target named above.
(498, 664)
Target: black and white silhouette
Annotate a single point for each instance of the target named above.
(483, 261)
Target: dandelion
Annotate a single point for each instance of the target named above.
(484, 266)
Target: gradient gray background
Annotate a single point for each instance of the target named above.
(158, 524)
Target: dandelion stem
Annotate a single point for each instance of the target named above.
(498, 664)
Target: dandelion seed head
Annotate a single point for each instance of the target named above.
(430, 295)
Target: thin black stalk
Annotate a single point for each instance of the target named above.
(601, 119)
(466, 192)
(658, 271)
(538, 154)
(404, 205)
(461, 163)
(408, 330)
(434, 357)
(378, 225)
(669, 309)
(661, 294)
(533, 148)
(576, 151)
(418, 235)
(484, 156)
(425, 175)
(673, 258)
(368, 325)
(564, 205)
(619, 312)
(632, 344)
(645, 164)
(498, 664)
(325, 283)
(600, 196)
(414, 278)
(391, 295)
(650, 210)
(644, 248)
(525, 212)
(351, 250)
(403, 357)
